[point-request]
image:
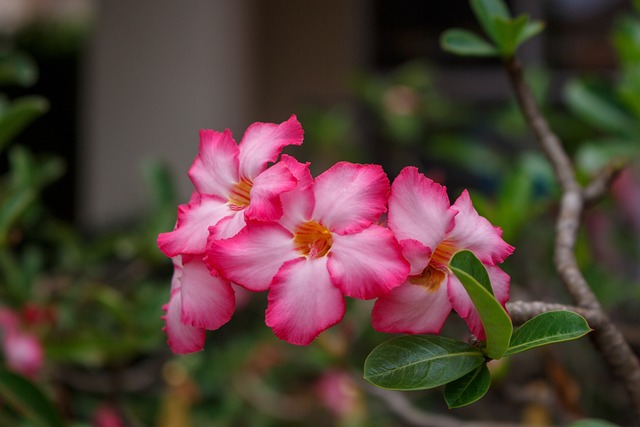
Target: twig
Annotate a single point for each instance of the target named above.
(401, 406)
(607, 337)
(521, 311)
(600, 184)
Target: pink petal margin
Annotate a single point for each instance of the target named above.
(207, 301)
(253, 256)
(182, 339)
(265, 194)
(263, 142)
(419, 209)
(475, 233)
(303, 302)
(350, 197)
(367, 264)
(412, 309)
(215, 169)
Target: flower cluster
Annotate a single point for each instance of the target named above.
(259, 220)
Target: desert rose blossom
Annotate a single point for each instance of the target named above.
(327, 245)
(430, 232)
(233, 182)
(22, 350)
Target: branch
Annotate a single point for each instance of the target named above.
(607, 337)
(403, 408)
(521, 311)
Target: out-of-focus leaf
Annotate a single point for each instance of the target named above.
(530, 30)
(626, 39)
(591, 157)
(20, 113)
(508, 33)
(593, 108)
(468, 389)
(497, 324)
(418, 362)
(466, 43)
(592, 422)
(17, 68)
(486, 11)
(548, 328)
(26, 398)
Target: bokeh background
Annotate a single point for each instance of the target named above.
(124, 87)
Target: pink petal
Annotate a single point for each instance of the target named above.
(207, 301)
(253, 256)
(228, 226)
(23, 353)
(463, 305)
(417, 254)
(350, 197)
(263, 142)
(182, 339)
(303, 302)
(215, 169)
(419, 209)
(473, 232)
(298, 203)
(192, 230)
(412, 309)
(265, 194)
(367, 264)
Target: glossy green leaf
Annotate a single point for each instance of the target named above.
(18, 115)
(497, 324)
(418, 362)
(486, 11)
(548, 328)
(466, 43)
(595, 109)
(469, 388)
(28, 400)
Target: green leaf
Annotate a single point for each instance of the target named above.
(17, 68)
(469, 388)
(592, 422)
(417, 362)
(18, 115)
(508, 32)
(497, 324)
(28, 400)
(486, 11)
(594, 108)
(466, 43)
(532, 29)
(548, 328)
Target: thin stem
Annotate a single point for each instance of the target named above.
(607, 337)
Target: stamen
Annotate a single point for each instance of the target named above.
(312, 239)
(239, 197)
(443, 254)
(431, 278)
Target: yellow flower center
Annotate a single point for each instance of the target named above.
(239, 197)
(436, 272)
(312, 240)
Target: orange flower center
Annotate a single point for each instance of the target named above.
(312, 239)
(239, 198)
(436, 272)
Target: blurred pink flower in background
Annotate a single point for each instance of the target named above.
(22, 350)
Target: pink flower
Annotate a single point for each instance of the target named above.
(22, 351)
(233, 184)
(325, 246)
(430, 231)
